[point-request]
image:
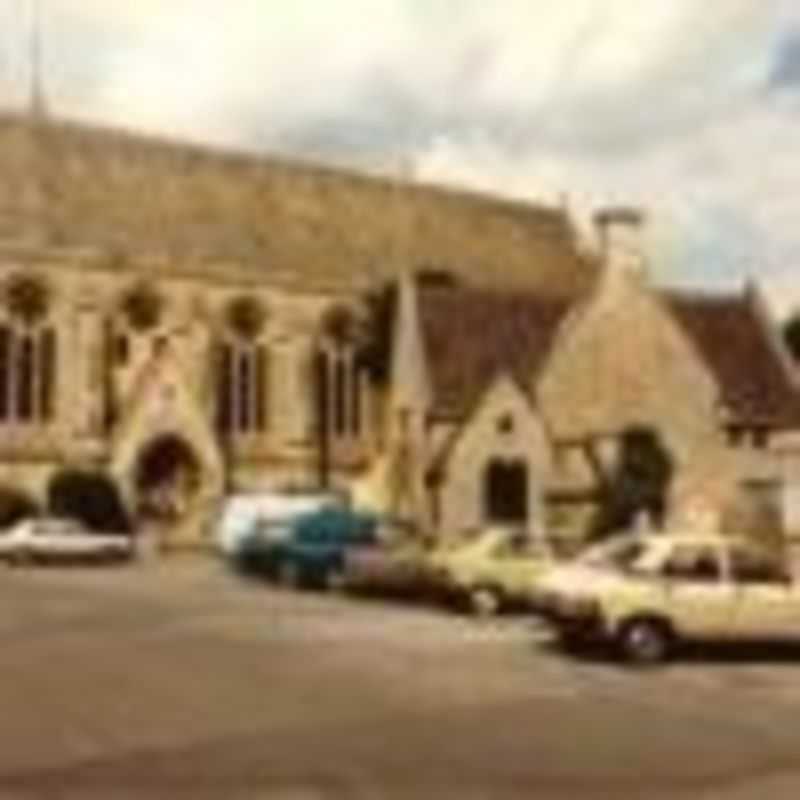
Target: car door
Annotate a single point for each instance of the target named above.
(767, 601)
(698, 596)
(518, 561)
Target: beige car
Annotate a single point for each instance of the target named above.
(646, 593)
(496, 568)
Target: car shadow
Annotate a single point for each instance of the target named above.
(786, 653)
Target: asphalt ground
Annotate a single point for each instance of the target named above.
(180, 680)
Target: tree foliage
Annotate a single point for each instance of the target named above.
(376, 351)
(638, 484)
(143, 306)
(15, 504)
(27, 298)
(91, 497)
(246, 316)
(791, 333)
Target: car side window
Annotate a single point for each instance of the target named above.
(693, 563)
(752, 566)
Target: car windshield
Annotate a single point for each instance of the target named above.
(622, 554)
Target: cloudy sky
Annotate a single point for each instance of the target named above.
(689, 107)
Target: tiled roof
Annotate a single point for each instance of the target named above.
(472, 334)
(77, 185)
(734, 342)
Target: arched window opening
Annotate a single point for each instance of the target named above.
(261, 381)
(223, 383)
(356, 400)
(506, 491)
(241, 382)
(244, 391)
(27, 353)
(47, 369)
(5, 372)
(25, 356)
(339, 396)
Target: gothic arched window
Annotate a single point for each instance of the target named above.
(241, 370)
(339, 379)
(27, 353)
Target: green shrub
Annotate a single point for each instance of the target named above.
(91, 497)
(15, 504)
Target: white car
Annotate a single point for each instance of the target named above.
(646, 593)
(54, 539)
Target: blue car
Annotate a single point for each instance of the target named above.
(314, 552)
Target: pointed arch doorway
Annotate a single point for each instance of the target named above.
(167, 459)
(167, 479)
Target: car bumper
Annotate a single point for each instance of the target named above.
(583, 621)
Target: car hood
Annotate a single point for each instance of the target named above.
(571, 578)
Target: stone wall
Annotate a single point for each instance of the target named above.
(621, 361)
(462, 492)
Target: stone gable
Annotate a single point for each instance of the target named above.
(503, 426)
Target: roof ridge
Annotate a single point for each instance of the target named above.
(500, 292)
(250, 157)
(702, 294)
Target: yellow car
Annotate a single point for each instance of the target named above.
(644, 594)
(496, 569)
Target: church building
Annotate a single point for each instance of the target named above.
(196, 323)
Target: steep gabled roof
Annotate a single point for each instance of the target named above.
(472, 335)
(735, 344)
(88, 186)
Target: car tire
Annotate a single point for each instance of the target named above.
(483, 601)
(645, 642)
(333, 580)
(19, 559)
(572, 642)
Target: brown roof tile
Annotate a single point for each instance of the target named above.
(472, 334)
(734, 342)
(79, 185)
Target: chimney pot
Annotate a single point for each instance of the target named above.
(620, 232)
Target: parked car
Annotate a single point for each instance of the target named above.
(644, 594)
(313, 553)
(41, 539)
(393, 563)
(267, 514)
(496, 569)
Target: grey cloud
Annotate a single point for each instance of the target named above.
(785, 71)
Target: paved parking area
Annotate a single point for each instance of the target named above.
(178, 679)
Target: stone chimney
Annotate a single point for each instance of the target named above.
(619, 231)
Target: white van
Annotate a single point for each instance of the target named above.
(271, 514)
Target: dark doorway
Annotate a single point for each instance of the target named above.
(167, 478)
(506, 491)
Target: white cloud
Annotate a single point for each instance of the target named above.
(606, 100)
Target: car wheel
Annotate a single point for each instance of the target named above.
(288, 575)
(572, 642)
(19, 558)
(483, 601)
(333, 580)
(645, 641)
